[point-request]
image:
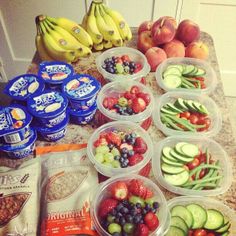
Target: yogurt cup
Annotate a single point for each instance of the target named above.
(22, 149)
(49, 108)
(55, 133)
(81, 90)
(81, 117)
(24, 86)
(14, 124)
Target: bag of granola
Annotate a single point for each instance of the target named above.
(19, 199)
(68, 178)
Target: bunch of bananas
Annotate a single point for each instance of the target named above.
(61, 39)
(106, 27)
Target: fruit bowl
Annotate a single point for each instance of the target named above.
(133, 54)
(129, 203)
(190, 68)
(165, 166)
(119, 147)
(141, 109)
(213, 114)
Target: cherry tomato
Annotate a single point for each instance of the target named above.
(203, 86)
(193, 119)
(202, 173)
(201, 120)
(200, 78)
(207, 122)
(193, 164)
(200, 232)
(185, 114)
(134, 89)
(190, 232)
(202, 158)
(211, 234)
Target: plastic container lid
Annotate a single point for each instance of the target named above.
(13, 118)
(76, 112)
(81, 87)
(214, 113)
(217, 153)
(210, 76)
(134, 55)
(119, 87)
(24, 86)
(47, 104)
(54, 72)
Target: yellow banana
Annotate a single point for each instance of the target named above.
(54, 50)
(98, 47)
(73, 28)
(107, 44)
(92, 26)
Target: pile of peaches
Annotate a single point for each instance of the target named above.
(164, 38)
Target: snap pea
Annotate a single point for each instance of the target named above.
(201, 181)
(170, 123)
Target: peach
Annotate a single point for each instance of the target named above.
(163, 30)
(174, 48)
(198, 50)
(155, 56)
(145, 41)
(187, 32)
(146, 25)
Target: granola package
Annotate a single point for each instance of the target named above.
(19, 199)
(68, 178)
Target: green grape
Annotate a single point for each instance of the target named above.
(99, 157)
(150, 201)
(122, 101)
(108, 157)
(135, 199)
(119, 68)
(115, 151)
(114, 228)
(128, 228)
(102, 149)
(110, 218)
(108, 164)
(115, 164)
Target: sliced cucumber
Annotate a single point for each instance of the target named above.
(183, 213)
(172, 107)
(200, 108)
(166, 153)
(169, 169)
(191, 74)
(178, 147)
(172, 163)
(188, 69)
(172, 81)
(181, 157)
(180, 67)
(215, 219)
(171, 71)
(189, 104)
(199, 215)
(225, 234)
(169, 112)
(180, 104)
(224, 228)
(177, 179)
(180, 223)
(189, 150)
(175, 231)
(200, 72)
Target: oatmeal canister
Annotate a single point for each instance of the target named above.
(49, 108)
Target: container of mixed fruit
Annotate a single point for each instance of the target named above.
(119, 147)
(184, 113)
(186, 74)
(122, 63)
(192, 166)
(200, 216)
(128, 205)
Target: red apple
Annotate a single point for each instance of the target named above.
(174, 48)
(146, 25)
(145, 41)
(198, 50)
(155, 56)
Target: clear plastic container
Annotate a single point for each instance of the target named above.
(217, 153)
(103, 191)
(208, 203)
(116, 88)
(172, 96)
(134, 55)
(210, 76)
(125, 126)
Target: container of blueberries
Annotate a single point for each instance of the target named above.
(122, 63)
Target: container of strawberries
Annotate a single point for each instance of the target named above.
(129, 205)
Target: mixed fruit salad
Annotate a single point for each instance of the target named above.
(119, 149)
(184, 76)
(121, 65)
(130, 102)
(187, 166)
(195, 220)
(185, 115)
(130, 208)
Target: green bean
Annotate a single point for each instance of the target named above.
(203, 166)
(202, 186)
(201, 181)
(170, 123)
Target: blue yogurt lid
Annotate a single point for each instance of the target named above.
(54, 72)
(24, 86)
(80, 87)
(13, 118)
(47, 104)
(79, 112)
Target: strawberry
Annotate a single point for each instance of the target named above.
(125, 58)
(135, 159)
(113, 138)
(137, 70)
(146, 170)
(134, 89)
(140, 145)
(100, 141)
(139, 65)
(142, 230)
(119, 190)
(147, 123)
(151, 221)
(148, 194)
(137, 188)
(145, 96)
(109, 102)
(128, 95)
(106, 206)
(126, 145)
(138, 105)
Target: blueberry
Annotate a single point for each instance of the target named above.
(124, 150)
(105, 224)
(122, 221)
(148, 207)
(129, 110)
(124, 234)
(110, 145)
(122, 159)
(113, 58)
(113, 212)
(117, 220)
(127, 161)
(133, 135)
(124, 155)
(133, 212)
(106, 60)
(126, 63)
(154, 211)
(136, 219)
(141, 221)
(144, 211)
(124, 210)
(155, 205)
(116, 234)
(117, 106)
(129, 218)
(138, 205)
(119, 214)
(119, 206)
(132, 141)
(123, 165)
(130, 153)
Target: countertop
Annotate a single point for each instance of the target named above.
(80, 134)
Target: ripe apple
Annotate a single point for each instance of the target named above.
(146, 25)
(145, 41)
(198, 50)
(174, 48)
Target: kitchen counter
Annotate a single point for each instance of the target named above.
(80, 134)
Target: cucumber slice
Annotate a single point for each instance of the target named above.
(181, 157)
(172, 107)
(190, 150)
(215, 219)
(169, 112)
(200, 108)
(178, 147)
(175, 231)
(172, 81)
(224, 228)
(189, 104)
(199, 215)
(177, 179)
(188, 69)
(225, 234)
(180, 223)
(180, 67)
(166, 153)
(172, 163)
(180, 104)
(200, 72)
(171, 71)
(169, 169)
(183, 213)
(191, 74)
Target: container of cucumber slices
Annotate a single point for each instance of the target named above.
(186, 74)
(192, 166)
(186, 113)
(200, 216)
